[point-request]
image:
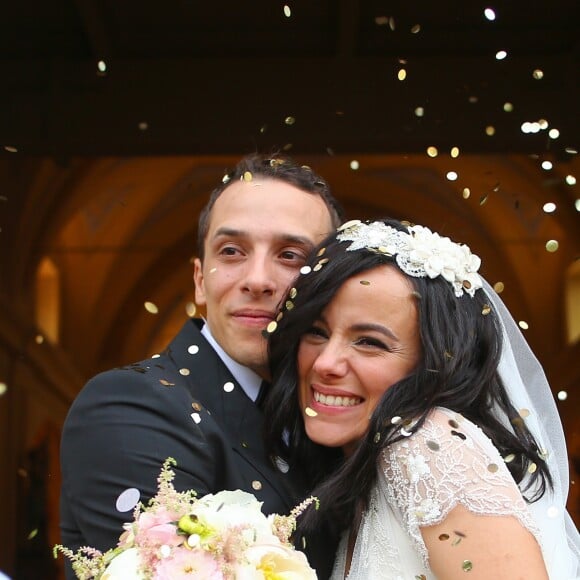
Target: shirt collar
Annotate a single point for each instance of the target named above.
(249, 380)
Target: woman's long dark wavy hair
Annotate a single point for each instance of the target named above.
(461, 348)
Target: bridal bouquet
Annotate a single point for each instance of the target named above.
(222, 536)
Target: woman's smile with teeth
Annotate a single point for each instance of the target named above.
(336, 401)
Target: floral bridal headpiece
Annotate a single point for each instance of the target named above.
(419, 252)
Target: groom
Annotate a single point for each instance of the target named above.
(196, 401)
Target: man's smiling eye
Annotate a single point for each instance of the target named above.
(229, 251)
(291, 255)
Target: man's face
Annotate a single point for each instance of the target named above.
(259, 235)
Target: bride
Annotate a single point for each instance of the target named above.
(426, 424)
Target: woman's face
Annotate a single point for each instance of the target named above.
(366, 340)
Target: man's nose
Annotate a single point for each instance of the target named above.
(260, 277)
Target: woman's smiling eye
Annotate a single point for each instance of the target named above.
(370, 341)
(317, 331)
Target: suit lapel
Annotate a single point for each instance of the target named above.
(213, 386)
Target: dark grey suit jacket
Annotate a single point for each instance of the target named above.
(127, 421)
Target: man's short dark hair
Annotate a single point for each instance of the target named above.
(281, 168)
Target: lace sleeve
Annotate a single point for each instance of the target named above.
(448, 462)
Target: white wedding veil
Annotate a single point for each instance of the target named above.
(529, 392)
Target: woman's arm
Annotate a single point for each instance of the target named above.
(469, 546)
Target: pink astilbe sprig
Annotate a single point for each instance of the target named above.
(86, 562)
(284, 526)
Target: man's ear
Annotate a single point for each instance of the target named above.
(199, 282)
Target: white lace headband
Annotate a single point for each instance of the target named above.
(418, 253)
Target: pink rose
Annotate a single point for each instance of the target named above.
(184, 564)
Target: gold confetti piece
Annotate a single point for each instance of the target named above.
(213, 270)
(324, 261)
(272, 326)
(392, 23)
(454, 152)
(293, 293)
(310, 412)
(287, 11)
(552, 246)
(289, 305)
(151, 307)
(190, 309)
(532, 468)
(432, 151)
(348, 224)
(229, 387)
(193, 349)
(184, 372)
(433, 445)
(467, 566)
(318, 267)
(289, 120)
(490, 130)
(143, 126)
(381, 20)
(499, 287)
(39, 339)
(466, 193)
(365, 282)
(523, 325)
(509, 458)
(448, 355)
(305, 270)
(456, 541)
(405, 433)
(354, 165)
(196, 406)
(166, 383)
(225, 178)
(459, 434)
(402, 74)
(247, 176)
(303, 542)
(524, 413)
(10, 149)
(419, 111)
(486, 309)
(320, 252)
(483, 199)
(443, 537)
(508, 107)
(377, 437)
(562, 395)
(492, 468)
(415, 29)
(396, 420)
(3, 389)
(280, 316)
(32, 534)
(538, 74)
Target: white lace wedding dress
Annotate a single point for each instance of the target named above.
(448, 462)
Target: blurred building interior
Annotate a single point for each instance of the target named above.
(117, 119)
